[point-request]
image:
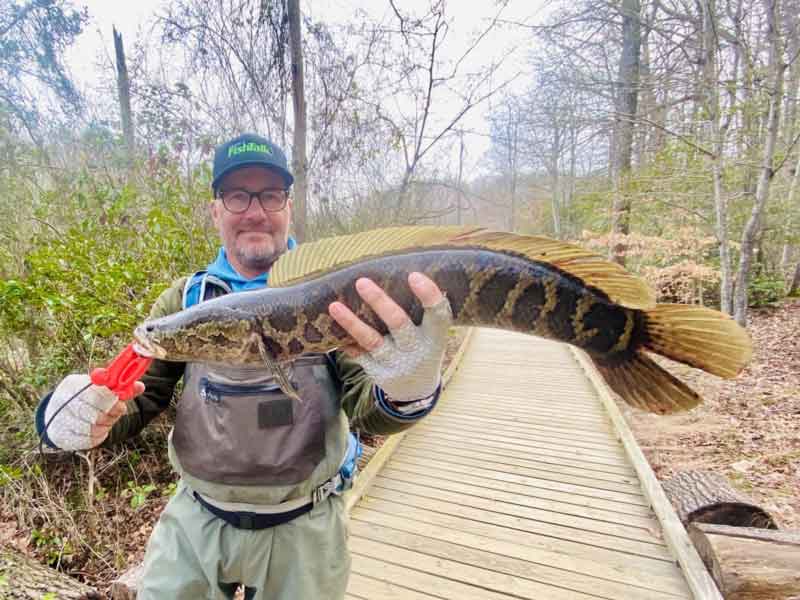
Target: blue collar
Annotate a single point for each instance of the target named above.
(224, 270)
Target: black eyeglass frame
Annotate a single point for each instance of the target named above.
(221, 195)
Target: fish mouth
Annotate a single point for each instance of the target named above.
(144, 346)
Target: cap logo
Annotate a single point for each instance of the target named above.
(249, 147)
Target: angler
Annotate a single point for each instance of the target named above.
(260, 474)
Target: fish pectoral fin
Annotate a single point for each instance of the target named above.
(278, 370)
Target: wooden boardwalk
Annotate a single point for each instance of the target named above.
(517, 486)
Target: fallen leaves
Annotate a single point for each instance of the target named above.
(749, 428)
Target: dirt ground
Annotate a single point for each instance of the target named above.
(748, 429)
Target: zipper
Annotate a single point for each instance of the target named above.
(213, 392)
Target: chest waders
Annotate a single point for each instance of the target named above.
(256, 503)
(236, 427)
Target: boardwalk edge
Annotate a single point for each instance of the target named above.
(697, 576)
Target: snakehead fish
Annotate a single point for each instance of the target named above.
(532, 285)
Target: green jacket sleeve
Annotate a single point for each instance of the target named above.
(159, 380)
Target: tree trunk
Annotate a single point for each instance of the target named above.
(26, 579)
(794, 286)
(719, 131)
(124, 94)
(705, 497)
(753, 228)
(750, 564)
(299, 160)
(788, 232)
(628, 95)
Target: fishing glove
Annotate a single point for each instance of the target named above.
(71, 429)
(408, 365)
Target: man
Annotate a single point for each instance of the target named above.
(257, 503)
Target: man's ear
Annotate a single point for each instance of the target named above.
(214, 210)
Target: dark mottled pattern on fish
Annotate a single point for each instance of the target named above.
(484, 288)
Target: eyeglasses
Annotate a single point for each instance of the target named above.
(238, 200)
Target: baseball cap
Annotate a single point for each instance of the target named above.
(248, 150)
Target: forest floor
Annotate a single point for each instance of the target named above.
(748, 429)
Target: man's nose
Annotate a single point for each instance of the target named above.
(255, 210)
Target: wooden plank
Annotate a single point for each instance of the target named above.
(499, 403)
(645, 573)
(491, 476)
(575, 500)
(439, 585)
(484, 580)
(697, 576)
(574, 531)
(369, 588)
(479, 557)
(635, 531)
(483, 463)
(519, 459)
(399, 479)
(508, 423)
(551, 450)
(487, 527)
(553, 459)
(594, 430)
(521, 438)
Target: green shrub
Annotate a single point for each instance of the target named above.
(765, 289)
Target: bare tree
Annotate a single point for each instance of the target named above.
(431, 96)
(124, 95)
(776, 67)
(299, 164)
(627, 100)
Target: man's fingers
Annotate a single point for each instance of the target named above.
(425, 289)
(387, 309)
(107, 419)
(138, 388)
(363, 334)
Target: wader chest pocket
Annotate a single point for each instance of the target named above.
(271, 412)
(212, 392)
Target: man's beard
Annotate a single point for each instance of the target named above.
(260, 258)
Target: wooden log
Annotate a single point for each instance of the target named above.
(705, 497)
(23, 578)
(749, 563)
(125, 587)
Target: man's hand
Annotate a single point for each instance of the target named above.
(407, 363)
(85, 422)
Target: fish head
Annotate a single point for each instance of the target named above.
(199, 334)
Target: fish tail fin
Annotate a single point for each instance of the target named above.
(696, 336)
(643, 383)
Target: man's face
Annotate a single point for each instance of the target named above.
(255, 238)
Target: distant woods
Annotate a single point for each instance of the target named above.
(663, 134)
(648, 118)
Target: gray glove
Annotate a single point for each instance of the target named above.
(71, 429)
(408, 365)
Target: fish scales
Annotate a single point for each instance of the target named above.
(478, 284)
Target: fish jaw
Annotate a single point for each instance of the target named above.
(145, 345)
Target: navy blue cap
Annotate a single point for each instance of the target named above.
(249, 150)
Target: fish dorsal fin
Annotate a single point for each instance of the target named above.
(308, 260)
